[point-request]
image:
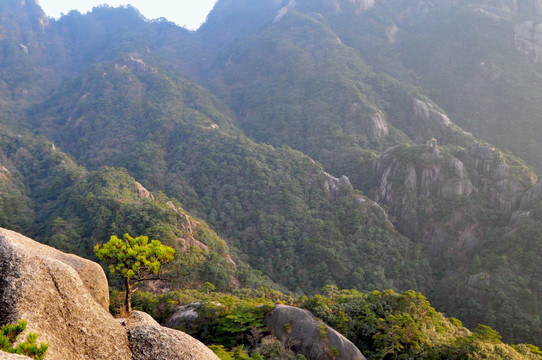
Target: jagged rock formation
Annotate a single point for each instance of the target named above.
(150, 341)
(301, 329)
(64, 299)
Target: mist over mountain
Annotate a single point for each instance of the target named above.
(367, 144)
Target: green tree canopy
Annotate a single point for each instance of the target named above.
(136, 260)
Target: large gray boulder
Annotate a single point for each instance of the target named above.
(150, 341)
(62, 297)
(298, 327)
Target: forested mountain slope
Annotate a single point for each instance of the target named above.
(250, 123)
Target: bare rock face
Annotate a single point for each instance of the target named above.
(378, 127)
(7, 356)
(426, 112)
(493, 176)
(415, 183)
(375, 125)
(296, 326)
(150, 341)
(333, 185)
(143, 193)
(62, 297)
(431, 175)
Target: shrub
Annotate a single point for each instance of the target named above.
(9, 335)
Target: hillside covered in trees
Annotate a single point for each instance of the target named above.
(292, 145)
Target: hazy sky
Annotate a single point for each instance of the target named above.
(187, 13)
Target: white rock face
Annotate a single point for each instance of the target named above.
(378, 127)
(414, 189)
(427, 111)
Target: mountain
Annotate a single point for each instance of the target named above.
(363, 144)
(172, 135)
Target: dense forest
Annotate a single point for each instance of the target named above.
(386, 147)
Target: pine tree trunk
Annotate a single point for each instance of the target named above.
(128, 299)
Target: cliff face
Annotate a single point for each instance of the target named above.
(499, 177)
(64, 300)
(414, 182)
(426, 188)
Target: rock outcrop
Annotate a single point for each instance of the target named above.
(300, 328)
(420, 183)
(143, 193)
(65, 299)
(150, 341)
(333, 185)
(62, 297)
(492, 175)
(378, 127)
(428, 174)
(427, 113)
